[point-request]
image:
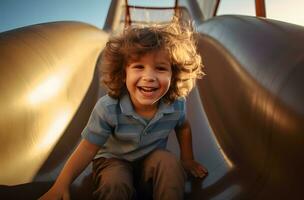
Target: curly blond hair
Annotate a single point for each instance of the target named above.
(177, 38)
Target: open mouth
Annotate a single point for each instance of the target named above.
(147, 89)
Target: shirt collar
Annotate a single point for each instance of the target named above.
(127, 107)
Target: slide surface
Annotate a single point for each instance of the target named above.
(246, 114)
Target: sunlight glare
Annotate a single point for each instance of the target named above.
(45, 90)
(54, 130)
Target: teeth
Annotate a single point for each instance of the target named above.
(148, 89)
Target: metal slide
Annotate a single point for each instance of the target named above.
(49, 86)
(246, 114)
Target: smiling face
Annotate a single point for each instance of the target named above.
(148, 79)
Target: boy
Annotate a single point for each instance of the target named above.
(148, 71)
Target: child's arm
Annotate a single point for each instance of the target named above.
(184, 138)
(77, 162)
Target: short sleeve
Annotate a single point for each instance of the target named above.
(98, 128)
(181, 107)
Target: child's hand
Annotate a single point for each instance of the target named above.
(52, 194)
(195, 168)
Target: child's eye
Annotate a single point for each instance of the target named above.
(138, 66)
(162, 68)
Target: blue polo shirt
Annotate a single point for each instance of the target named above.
(122, 133)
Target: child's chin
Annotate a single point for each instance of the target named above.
(148, 102)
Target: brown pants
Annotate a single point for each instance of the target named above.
(159, 176)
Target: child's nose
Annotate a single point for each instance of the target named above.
(149, 75)
(149, 78)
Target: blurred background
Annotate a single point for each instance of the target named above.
(19, 13)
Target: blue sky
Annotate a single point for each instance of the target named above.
(18, 13)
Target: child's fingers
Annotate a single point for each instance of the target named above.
(201, 168)
(195, 173)
(201, 171)
(197, 170)
(201, 174)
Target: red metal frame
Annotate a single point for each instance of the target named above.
(128, 19)
(216, 7)
(260, 10)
